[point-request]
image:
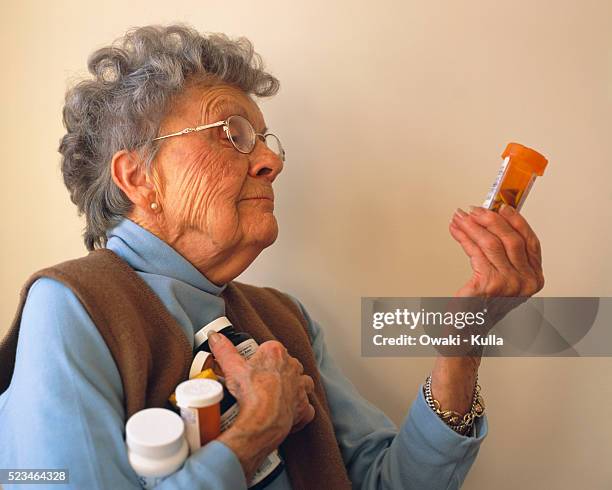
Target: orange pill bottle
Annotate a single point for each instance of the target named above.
(198, 400)
(516, 176)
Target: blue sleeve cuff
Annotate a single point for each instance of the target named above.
(215, 465)
(432, 432)
(226, 464)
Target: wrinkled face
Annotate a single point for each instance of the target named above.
(211, 195)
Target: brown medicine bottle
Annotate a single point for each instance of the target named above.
(516, 176)
(273, 464)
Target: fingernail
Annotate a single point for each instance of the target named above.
(507, 210)
(476, 210)
(212, 337)
(460, 213)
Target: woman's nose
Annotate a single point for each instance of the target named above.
(264, 162)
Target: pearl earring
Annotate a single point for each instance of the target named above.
(154, 206)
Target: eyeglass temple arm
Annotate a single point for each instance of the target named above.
(191, 130)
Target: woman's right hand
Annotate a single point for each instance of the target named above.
(272, 392)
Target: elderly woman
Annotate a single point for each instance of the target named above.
(169, 158)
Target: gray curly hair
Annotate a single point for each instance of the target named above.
(134, 82)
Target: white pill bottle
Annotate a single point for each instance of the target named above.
(156, 445)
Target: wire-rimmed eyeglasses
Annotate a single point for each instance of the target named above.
(240, 132)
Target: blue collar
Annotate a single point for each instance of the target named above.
(147, 253)
(188, 295)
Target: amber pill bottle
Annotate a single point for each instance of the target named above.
(199, 403)
(516, 176)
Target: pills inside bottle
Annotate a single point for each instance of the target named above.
(516, 177)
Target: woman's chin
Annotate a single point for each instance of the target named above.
(266, 232)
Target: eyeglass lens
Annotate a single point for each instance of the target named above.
(241, 133)
(243, 136)
(273, 143)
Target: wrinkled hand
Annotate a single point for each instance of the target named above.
(270, 387)
(504, 252)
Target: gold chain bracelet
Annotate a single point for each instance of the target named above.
(459, 423)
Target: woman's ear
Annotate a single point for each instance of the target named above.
(129, 174)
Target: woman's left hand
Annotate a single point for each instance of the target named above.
(506, 260)
(504, 252)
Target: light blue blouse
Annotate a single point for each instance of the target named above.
(64, 407)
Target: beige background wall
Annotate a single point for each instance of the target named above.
(393, 114)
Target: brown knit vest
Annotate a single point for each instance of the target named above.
(153, 355)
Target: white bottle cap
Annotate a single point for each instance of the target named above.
(215, 326)
(196, 393)
(155, 433)
(198, 363)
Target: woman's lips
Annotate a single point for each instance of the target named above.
(261, 195)
(267, 202)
